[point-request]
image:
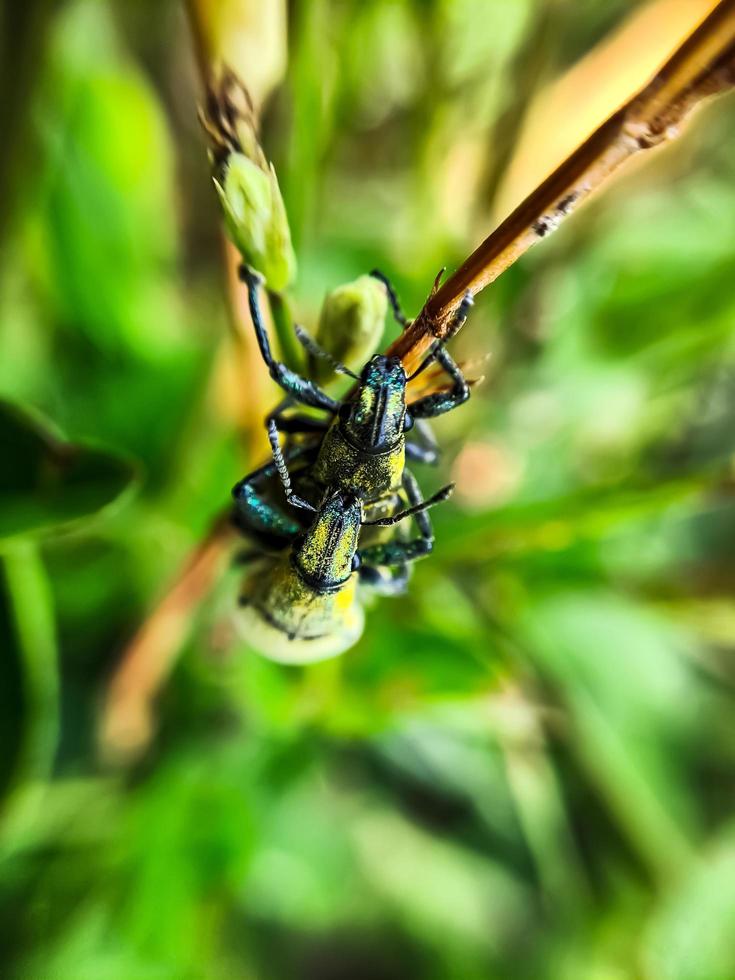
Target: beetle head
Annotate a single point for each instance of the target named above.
(374, 419)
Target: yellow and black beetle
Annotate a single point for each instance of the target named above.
(302, 605)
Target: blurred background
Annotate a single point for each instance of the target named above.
(525, 767)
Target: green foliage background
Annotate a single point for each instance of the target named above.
(524, 769)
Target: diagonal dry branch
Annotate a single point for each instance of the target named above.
(702, 66)
(126, 720)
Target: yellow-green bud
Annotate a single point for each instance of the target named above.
(351, 324)
(256, 220)
(255, 214)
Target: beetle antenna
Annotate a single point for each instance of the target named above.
(429, 359)
(398, 314)
(437, 498)
(311, 346)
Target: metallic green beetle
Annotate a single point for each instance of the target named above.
(363, 448)
(300, 601)
(302, 605)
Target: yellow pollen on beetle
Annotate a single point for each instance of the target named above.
(346, 596)
(320, 536)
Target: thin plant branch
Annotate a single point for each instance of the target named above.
(701, 67)
(126, 722)
(23, 34)
(127, 714)
(247, 357)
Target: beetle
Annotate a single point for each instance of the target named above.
(363, 448)
(302, 605)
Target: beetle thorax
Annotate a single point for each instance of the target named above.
(375, 419)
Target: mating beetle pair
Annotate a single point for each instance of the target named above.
(347, 472)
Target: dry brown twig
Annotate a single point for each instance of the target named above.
(701, 67)
(127, 715)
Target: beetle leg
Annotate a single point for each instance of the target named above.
(425, 449)
(316, 350)
(443, 401)
(253, 511)
(385, 581)
(402, 552)
(249, 555)
(398, 314)
(294, 423)
(437, 404)
(282, 469)
(295, 386)
(421, 454)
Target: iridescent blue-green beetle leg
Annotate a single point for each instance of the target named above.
(385, 581)
(430, 406)
(254, 512)
(425, 448)
(397, 553)
(438, 404)
(291, 424)
(299, 388)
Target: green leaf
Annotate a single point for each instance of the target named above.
(30, 689)
(46, 481)
(690, 937)
(624, 676)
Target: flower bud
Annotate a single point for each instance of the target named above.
(255, 215)
(351, 324)
(256, 221)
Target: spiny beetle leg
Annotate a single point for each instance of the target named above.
(282, 469)
(316, 350)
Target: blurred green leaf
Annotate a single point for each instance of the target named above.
(623, 675)
(103, 242)
(525, 767)
(691, 934)
(47, 482)
(31, 686)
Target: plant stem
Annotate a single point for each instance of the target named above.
(213, 24)
(23, 29)
(126, 723)
(291, 351)
(702, 66)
